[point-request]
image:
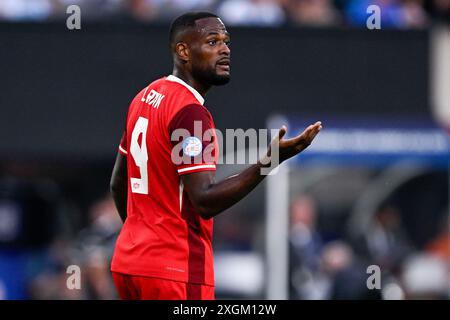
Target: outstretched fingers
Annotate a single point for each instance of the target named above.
(308, 135)
(314, 130)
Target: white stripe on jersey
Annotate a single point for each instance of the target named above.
(203, 166)
(197, 95)
(123, 150)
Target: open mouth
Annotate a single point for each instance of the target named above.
(224, 64)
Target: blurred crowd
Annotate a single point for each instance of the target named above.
(39, 241)
(342, 267)
(45, 233)
(402, 14)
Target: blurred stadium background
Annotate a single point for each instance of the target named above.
(372, 190)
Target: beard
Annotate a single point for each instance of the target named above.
(210, 76)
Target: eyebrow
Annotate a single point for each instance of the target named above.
(215, 33)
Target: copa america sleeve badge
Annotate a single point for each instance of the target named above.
(192, 146)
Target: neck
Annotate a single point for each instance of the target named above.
(187, 77)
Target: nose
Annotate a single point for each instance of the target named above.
(224, 49)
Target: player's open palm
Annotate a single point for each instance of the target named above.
(293, 146)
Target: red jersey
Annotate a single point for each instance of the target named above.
(163, 235)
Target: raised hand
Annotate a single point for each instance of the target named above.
(287, 148)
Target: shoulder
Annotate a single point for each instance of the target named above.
(188, 94)
(188, 114)
(143, 93)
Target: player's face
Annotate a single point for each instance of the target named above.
(210, 52)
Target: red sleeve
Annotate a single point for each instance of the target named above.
(123, 149)
(193, 139)
(123, 146)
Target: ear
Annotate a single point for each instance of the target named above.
(182, 51)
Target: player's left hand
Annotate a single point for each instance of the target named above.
(293, 146)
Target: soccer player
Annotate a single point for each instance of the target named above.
(164, 249)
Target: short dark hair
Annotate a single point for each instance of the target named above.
(186, 20)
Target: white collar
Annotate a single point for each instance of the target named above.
(194, 92)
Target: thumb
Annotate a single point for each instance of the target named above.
(282, 132)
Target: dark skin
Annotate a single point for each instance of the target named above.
(118, 185)
(200, 53)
